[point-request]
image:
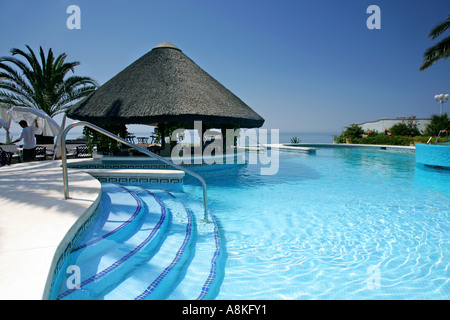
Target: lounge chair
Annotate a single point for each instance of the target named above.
(41, 153)
(5, 157)
(82, 152)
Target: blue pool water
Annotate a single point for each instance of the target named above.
(342, 223)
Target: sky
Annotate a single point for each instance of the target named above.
(304, 66)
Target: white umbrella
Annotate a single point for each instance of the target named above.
(47, 126)
(57, 145)
(5, 125)
(5, 122)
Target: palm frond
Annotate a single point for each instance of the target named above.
(440, 28)
(41, 83)
(437, 52)
(27, 72)
(13, 81)
(18, 100)
(30, 57)
(13, 89)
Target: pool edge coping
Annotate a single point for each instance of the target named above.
(71, 214)
(65, 244)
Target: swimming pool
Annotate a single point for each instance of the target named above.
(343, 223)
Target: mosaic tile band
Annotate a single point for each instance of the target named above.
(213, 272)
(124, 258)
(135, 214)
(177, 258)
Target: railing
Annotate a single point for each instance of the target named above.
(439, 135)
(123, 141)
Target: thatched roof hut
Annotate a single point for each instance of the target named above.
(165, 86)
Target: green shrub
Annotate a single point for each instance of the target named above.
(424, 139)
(353, 133)
(399, 129)
(339, 138)
(410, 128)
(387, 140)
(437, 123)
(421, 139)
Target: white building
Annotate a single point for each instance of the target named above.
(386, 123)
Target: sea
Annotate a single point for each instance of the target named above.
(307, 137)
(283, 137)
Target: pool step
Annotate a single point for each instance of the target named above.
(151, 278)
(202, 278)
(119, 217)
(109, 256)
(151, 246)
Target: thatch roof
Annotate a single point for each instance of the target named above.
(162, 86)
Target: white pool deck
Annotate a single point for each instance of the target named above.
(35, 220)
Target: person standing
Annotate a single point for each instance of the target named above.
(29, 140)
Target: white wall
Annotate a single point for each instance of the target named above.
(381, 124)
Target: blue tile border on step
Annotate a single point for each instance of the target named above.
(124, 258)
(123, 225)
(177, 258)
(213, 271)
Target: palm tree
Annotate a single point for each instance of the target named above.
(42, 83)
(439, 51)
(437, 123)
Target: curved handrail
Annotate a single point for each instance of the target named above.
(123, 141)
(439, 135)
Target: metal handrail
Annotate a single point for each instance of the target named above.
(123, 141)
(439, 135)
